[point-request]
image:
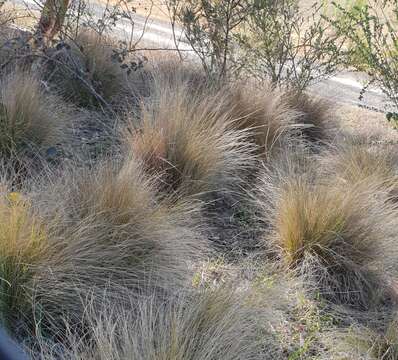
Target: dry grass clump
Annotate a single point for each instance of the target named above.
(361, 342)
(167, 70)
(314, 114)
(341, 237)
(13, 43)
(263, 112)
(268, 318)
(23, 242)
(272, 116)
(29, 117)
(275, 117)
(355, 162)
(90, 58)
(170, 71)
(112, 234)
(211, 325)
(188, 145)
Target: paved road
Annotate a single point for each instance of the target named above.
(154, 32)
(344, 88)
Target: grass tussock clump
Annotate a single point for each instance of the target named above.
(265, 112)
(355, 162)
(168, 71)
(343, 238)
(91, 57)
(314, 115)
(190, 147)
(108, 254)
(362, 342)
(269, 119)
(23, 242)
(276, 117)
(210, 325)
(30, 119)
(111, 234)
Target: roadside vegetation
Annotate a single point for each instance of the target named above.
(159, 205)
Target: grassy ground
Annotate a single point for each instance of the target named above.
(154, 215)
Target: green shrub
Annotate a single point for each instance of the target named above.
(372, 30)
(284, 45)
(209, 27)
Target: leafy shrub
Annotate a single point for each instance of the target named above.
(272, 40)
(371, 29)
(288, 47)
(209, 27)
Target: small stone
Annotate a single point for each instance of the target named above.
(51, 153)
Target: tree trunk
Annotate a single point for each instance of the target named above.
(51, 21)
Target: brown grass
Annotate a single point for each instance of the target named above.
(29, 117)
(315, 114)
(23, 244)
(359, 341)
(273, 117)
(340, 236)
(111, 234)
(276, 118)
(168, 70)
(99, 260)
(210, 325)
(355, 161)
(261, 111)
(187, 144)
(165, 72)
(91, 58)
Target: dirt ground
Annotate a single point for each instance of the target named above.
(19, 15)
(156, 9)
(159, 8)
